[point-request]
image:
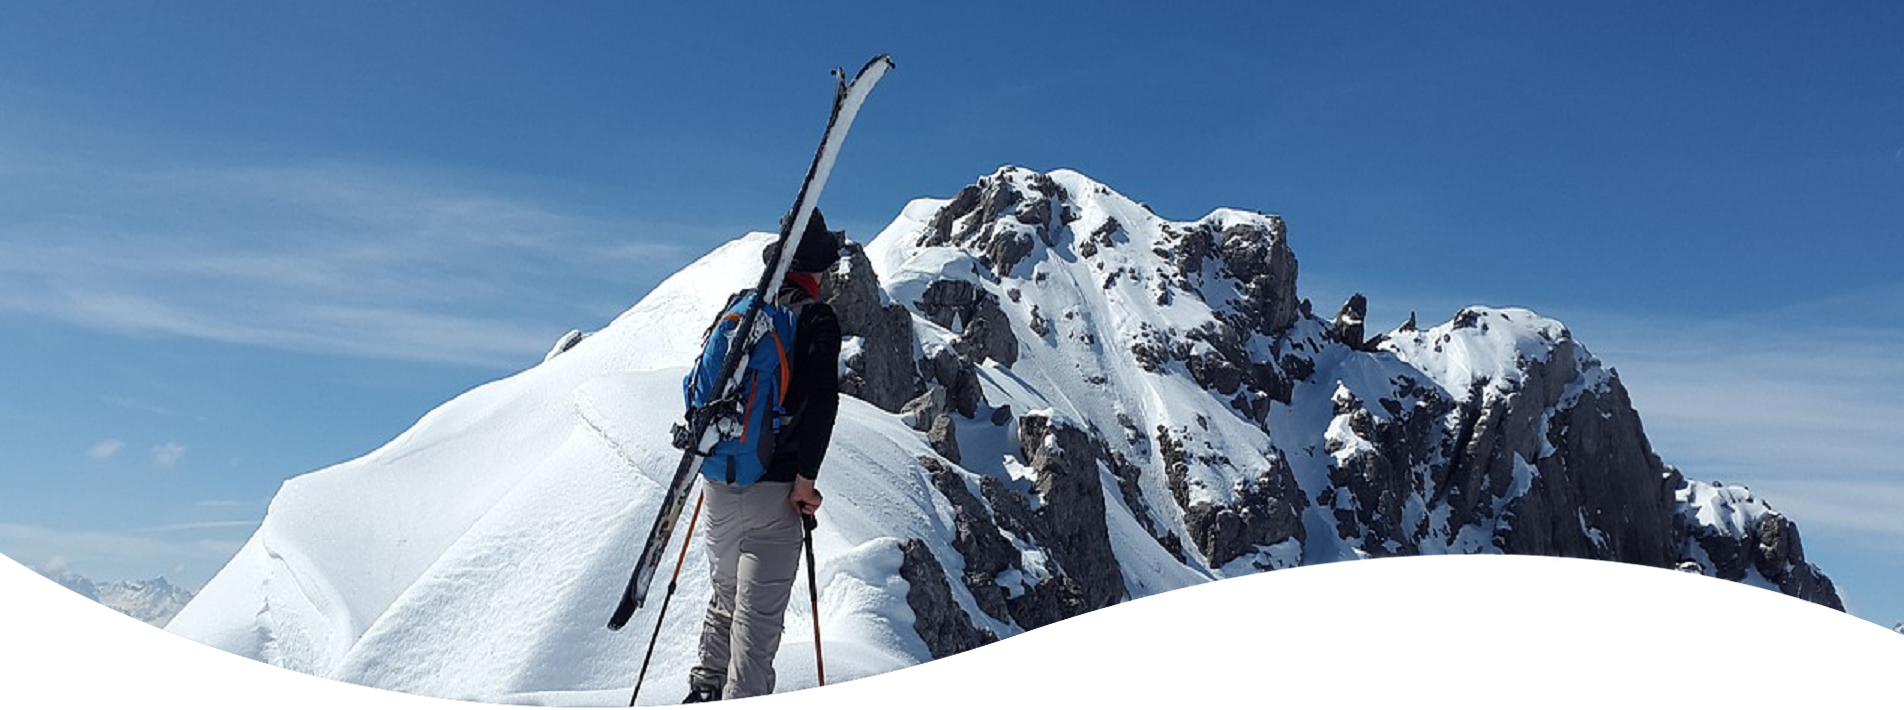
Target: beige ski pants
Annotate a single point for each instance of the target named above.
(753, 540)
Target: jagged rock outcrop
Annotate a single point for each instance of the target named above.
(928, 413)
(1070, 518)
(1267, 510)
(1061, 514)
(978, 539)
(880, 369)
(1601, 493)
(984, 331)
(1380, 456)
(957, 376)
(1347, 328)
(1727, 532)
(1002, 218)
(938, 619)
(1253, 254)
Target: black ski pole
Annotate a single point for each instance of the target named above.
(672, 581)
(807, 522)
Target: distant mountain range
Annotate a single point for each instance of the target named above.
(153, 601)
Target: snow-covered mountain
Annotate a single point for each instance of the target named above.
(1058, 401)
(153, 601)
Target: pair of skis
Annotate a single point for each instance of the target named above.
(848, 96)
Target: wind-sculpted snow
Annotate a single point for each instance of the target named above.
(1063, 402)
(479, 554)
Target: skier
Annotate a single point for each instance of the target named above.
(754, 531)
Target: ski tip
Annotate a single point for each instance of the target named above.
(881, 61)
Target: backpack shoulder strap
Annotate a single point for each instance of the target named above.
(731, 300)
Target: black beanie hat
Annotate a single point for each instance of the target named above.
(818, 248)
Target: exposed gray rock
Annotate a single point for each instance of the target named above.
(1256, 256)
(1223, 367)
(1106, 235)
(1781, 558)
(949, 303)
(1002, 415)
(937, 617)
(927, 413)
(851, 287)
(1372, 486)
(958, 377)
(1602, 477)
(882, 372)
(1770, 547)
(988, 334)
(975, 314)
(1046, 594)
(1066, 462)
(1038, 324)
(1260, 259)
(943, 435)
(1268, 510)
(1347, 327)
(976, 218)
(976, 537)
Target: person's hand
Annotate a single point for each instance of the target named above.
(805, 499)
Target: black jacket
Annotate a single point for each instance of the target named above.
(813, 395)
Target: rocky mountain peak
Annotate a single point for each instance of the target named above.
(1495, 431)
(1236, 262)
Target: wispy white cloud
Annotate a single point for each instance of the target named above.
(228, 503)
(57, 564)
(105, 449)
(116, 555)
(168, 454)
(332, 258)
(214, 525)
(133, 404)
(1805, 404)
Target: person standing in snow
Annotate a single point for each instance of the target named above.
(754, 531)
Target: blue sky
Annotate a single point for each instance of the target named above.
(241, 241)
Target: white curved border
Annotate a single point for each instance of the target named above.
(1447, 631)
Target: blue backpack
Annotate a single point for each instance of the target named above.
(750, 421)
